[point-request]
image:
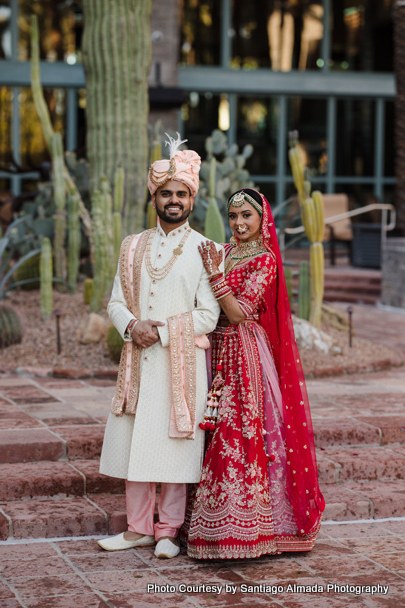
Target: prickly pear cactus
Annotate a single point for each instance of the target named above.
(230, 175)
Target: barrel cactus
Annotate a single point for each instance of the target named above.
(10, 327)
(114, 344)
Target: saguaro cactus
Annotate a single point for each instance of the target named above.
(116, 58)
(119, 179)
(46, 272)
(102, 265)
(312, 216)
(214, 225)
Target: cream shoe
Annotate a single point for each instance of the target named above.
(118, 543)
(166, 549)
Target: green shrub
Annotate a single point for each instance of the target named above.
(114, 344)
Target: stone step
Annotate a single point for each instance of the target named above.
(63, 517)
(332, 295)
(359, 430)
(364, 500)
(49, 479)
(95, 514)
(362, 463)
(37, 444)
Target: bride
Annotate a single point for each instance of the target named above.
(259, 491)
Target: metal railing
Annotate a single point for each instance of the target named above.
(385, 227)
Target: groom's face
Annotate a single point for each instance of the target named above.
(173, 202)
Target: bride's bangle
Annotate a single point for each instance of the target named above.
(219, 286)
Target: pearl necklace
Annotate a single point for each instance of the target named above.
(161, 273)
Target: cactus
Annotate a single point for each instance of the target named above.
(304, 292)
(312, 216)
(214, 225)
(119, 181)
(74, 238)
(102, 261)
(288, 279)
(117, 37)
(114, 344)
(60, 202)
(45, 119)
(151, 215)
(88, 290)
(107, 219)
(10, 327)
(46, 278)
(230, 175)
(28, 271)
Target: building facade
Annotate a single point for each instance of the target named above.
(256, 70)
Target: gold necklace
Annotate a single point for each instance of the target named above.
(161, 273)
(242, 251)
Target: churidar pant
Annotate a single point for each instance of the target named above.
(141, 497)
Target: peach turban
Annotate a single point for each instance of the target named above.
(183, 166)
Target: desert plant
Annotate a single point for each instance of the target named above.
(289, 283)
(88, 290)
(74, 240)
(304, 292)
(214, 225)
(114, 344)
(46, 274)
(117, 36)
(27, 273)
(10, 327)
(230, 175)
(119, 183)
(312, 216)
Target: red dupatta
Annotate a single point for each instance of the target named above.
(302, 475)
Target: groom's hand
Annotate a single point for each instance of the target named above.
(145, 333)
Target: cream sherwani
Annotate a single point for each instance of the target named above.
(138, 448)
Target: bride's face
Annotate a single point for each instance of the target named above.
(245, 222)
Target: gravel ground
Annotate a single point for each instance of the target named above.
(38, 347)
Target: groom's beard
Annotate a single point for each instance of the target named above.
(170, 219)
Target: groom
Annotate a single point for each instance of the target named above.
(162, 305)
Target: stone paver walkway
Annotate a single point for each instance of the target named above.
(51, 434)
(351, 565)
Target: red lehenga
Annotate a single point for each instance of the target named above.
(259, 491)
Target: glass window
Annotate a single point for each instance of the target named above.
(257, 125)
(6, 98)
(5, 29)
(33, 148)
(308, 117)
(60, 24)
(355, 137)
(389, 148)
(280, 34)
(201, 116)
(200, 32)
(362, 35)
(269, 191)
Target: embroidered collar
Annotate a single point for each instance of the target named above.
(173, 233)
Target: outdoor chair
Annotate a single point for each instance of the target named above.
(340, 231)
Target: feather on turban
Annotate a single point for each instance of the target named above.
(183, 166)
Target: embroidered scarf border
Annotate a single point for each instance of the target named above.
(183, 368)
(133, 303)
